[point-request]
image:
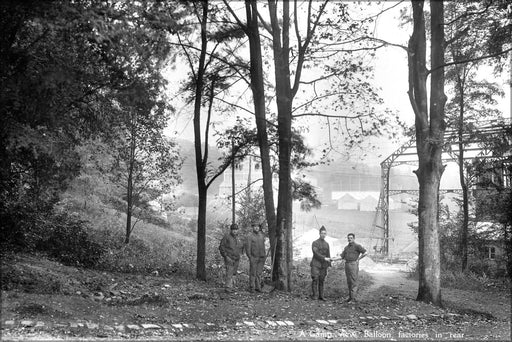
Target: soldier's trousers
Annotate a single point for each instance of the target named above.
(231, 269)
(318, 275)
(255, 270)
(352, 273)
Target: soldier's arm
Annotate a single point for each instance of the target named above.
(247, 246)
(317, 254)
(343, 254)
(222, 247)
(363, 253)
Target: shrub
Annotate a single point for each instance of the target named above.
(464, 280)
(156, 219)
(30, 280)
(179, 223)
(185, 260)
(139, 256)
(468, 280)
(23, 225)
(68, 241)
(30, 227)
(151, 248)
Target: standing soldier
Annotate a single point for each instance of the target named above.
(352, 253)
(255, 250)
(319, 264)
(231, 248)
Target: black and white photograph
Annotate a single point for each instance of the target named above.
(255, 170)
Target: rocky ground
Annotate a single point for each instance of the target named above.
(42, 299)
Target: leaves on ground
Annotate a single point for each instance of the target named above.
(387, 302)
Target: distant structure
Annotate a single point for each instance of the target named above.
(357, 187)
(360, 200)
(407, 155)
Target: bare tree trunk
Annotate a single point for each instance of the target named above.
(280, 40)
(285, 94)
(201, 233)
(429, 258)
(129, 206)
(430, 129)
(129, 187)
(463, 243)
(258, 90)
(200, 164)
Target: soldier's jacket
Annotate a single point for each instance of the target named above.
(320, 252)
(231, 247)
(352, 251)
(255, 245)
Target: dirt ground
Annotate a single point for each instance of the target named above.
(42, 299)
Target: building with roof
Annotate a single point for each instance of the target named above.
(360, 200)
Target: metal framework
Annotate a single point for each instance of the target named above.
(407, 155)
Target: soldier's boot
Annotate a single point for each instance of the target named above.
(321, 290)
(314, 289)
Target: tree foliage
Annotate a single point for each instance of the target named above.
(494, 202)
(64, 68)
(473, 101)
(251, 209)
(147, 162)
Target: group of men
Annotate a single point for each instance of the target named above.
(321, 261)
(232, 247)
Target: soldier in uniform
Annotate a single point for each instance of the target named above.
(255, 250)
(231, 247)
(352, 253)
(319, 264)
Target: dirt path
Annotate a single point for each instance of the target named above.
(392, 279)
(392, 276)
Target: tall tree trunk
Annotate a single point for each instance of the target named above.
(129, 187)
(282, 269)
(258, 90)
(129, 206)
(463, 243)
(429, 258)
(200, 164)
(201, 233)
(429, 139)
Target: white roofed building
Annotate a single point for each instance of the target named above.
(360, 200)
